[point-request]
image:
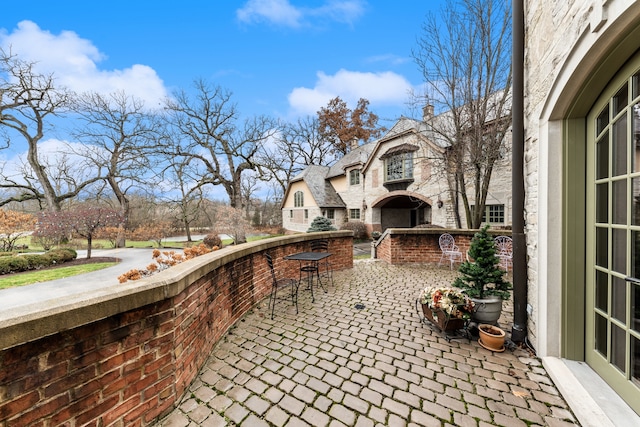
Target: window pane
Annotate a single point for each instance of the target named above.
(408, 166)
(602, 247)
(635, 361)
(635, 308)
(602, 290)
(635, 131)
(620, 100)
(619, 202)
(603, 120)
(602, 202)
(618, 347)
(602, 161)
(635, 202)
(619, 299)
(619, 146)
(635, 89)
(619, 250)
(601, 335)
(635, 254)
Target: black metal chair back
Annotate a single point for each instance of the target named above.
(281, 284)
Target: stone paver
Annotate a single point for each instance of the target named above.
(336, 365)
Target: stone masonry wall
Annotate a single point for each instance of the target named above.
(129, 367)
(564, 41)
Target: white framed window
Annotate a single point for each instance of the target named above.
(399, 167)
(298, 199)
(354, 177)
(354, 214)
(493, 214)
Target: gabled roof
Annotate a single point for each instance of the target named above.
(315, 178)
(357, 156)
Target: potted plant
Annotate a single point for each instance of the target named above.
(483, 279)
(491, 337)
(448, 308)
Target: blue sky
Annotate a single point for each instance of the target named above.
(283, 58)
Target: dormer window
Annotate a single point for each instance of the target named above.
(398, 163)
(399, 167)
(354, 177)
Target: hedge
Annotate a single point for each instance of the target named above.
(19, 263)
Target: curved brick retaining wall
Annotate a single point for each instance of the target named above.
(420, 245)
(124, 355)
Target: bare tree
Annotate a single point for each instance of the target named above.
(342, 126)
(296, 146)
(185, 193)
(464, 53)
(122, 138)
(28, 100)
(212, 135)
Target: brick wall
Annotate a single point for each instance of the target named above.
(128, 367)
(415, 245)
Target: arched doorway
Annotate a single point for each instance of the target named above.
(612, 310)
(401, 209)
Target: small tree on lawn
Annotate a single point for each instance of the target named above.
(321, 223)
(51, 229)
(483, 276)
(82, 221)
(14, 225)
(87, 221)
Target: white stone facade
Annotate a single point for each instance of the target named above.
(573, 49)
(381, 203)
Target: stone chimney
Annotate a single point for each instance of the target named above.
(427, 113)
(354, 144)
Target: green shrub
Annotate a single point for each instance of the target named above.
(358, 228)
(13, 264)
(16, 264)
(59, 256)
(321, 223)
(34, 261)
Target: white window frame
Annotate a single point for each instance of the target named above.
(354, 177)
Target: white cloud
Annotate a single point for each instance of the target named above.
(279, 12)
(283, 13)
(380, 89)
(74, 63)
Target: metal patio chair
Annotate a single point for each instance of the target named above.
(504, 251)
(280, 284)
(450, 250)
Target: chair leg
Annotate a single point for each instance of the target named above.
(272, 300)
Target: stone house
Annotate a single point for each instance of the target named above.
(581, 145)
(395, 181)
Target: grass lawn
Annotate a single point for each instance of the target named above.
(28, 278)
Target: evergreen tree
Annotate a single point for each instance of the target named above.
(483, 277)
(321, 223)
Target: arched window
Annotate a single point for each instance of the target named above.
(298, 199)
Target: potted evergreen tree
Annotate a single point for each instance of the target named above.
(483, 279)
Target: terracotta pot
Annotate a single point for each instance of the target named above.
(491, 337)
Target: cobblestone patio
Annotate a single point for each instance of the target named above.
(337, 365)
